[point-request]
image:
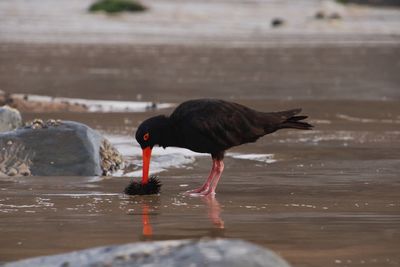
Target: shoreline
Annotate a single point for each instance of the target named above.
(279, 41)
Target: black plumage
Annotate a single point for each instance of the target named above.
(213, 126)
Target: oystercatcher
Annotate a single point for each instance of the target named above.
(211, 126)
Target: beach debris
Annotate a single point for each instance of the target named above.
(15, 159)
(321, 15)
(111, 159)
(40, 124)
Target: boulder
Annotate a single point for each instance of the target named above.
(59, 148)
(10, 119)
(218, 252)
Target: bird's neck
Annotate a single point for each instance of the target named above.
(169, 136)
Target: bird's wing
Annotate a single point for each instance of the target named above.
(225, 124)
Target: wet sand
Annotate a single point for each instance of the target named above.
(330, 199)
(332, 223)
(170, 73)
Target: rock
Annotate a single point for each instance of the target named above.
(277, 22)
(10, 119)
(320, 15)
(57, 148)
(218, 252)
(333, 16)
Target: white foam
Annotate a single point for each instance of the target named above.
(100, 105)
(267, 158)
(18, 206)
(82, 194)
(367, 120)
(357, 137)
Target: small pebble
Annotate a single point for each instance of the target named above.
(277, 22)
(320, 15)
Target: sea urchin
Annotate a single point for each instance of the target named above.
(137, 188)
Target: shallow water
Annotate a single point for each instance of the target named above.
(330, 198)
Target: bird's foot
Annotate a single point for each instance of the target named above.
(197, 190)
(200, 193)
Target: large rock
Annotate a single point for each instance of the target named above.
(219, 253)
(56, 148)
(10, 119)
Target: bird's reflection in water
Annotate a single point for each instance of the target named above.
(214, 210)
(147, 229)
(148, 207)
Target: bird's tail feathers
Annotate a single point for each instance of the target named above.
(294, 122)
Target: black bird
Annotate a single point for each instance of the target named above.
(211, 126)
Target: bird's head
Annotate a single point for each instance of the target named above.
(148, 135)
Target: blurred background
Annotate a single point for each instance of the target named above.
(176, 50)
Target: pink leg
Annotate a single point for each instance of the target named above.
(211, 183)
(220, 169)
(207, 184)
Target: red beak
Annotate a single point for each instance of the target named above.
(146, 164)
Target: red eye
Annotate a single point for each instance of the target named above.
(146, 137)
